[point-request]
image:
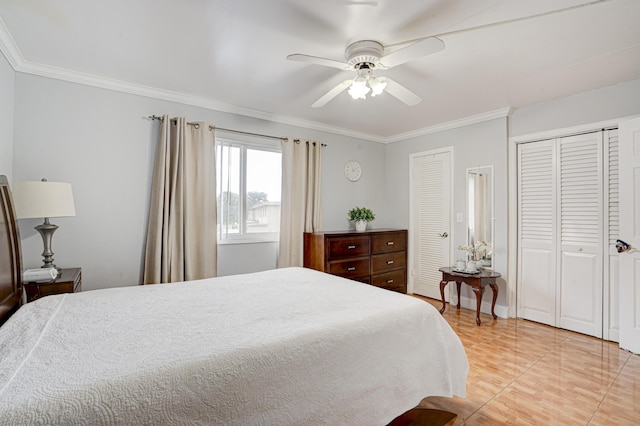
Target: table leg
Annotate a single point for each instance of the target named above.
(478, 291)
(495, 297)
(443, 284)
(458, 284)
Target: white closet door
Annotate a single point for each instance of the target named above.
(611, 302)
(536, 228)
(579, 293)
(630, 233)
(430, 219)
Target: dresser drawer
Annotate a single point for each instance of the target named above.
(342, 247)
(350, 268)
(394, 280)
(365, 279)
(388, 261)
(388, 242)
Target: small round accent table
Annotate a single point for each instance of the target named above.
(477, 282)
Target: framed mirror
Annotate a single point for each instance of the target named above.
(480, 214)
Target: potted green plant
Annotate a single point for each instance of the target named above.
(361, 216)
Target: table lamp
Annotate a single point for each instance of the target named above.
(44, 200)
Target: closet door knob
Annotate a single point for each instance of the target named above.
(444, 235)
(621, 246)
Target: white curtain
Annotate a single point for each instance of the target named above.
(481, 205)
(300, 208)
(181, 234)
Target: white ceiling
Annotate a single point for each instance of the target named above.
(231, 54)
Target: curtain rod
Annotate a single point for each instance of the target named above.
(157, 117)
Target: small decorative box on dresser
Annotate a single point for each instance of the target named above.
(69, 281)
(377, 257)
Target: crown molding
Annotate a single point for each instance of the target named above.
(9, 48)
(167, 95)
(473, 119)
(15, 58)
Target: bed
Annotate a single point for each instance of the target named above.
(289, 347)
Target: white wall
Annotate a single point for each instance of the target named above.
(101, 142)
(7, 83)
(340, 195)
(482, 144)
(621, 100)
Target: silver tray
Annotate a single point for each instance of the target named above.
(465, 271)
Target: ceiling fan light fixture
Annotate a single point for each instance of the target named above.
(359, 88)
(377, 85)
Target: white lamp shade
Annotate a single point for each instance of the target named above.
(43, 199)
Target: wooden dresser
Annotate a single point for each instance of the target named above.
(377, 257)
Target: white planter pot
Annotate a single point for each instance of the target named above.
(361, 226)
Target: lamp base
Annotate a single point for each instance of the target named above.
(46, 230)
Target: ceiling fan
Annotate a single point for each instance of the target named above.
(364, 57)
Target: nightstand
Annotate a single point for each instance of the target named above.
(69, 281)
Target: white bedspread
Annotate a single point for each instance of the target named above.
(283, 347)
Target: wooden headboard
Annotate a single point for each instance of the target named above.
(10, 255)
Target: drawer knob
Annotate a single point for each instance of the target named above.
(389, 243)
(389, 262)
(389, 281)
(350, 247)
(351, 268)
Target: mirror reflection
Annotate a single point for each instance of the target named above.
(480, 214)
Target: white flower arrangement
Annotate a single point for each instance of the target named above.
(476, 251)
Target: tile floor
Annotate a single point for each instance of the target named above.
(525, 373)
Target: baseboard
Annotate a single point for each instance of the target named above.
(471, 303)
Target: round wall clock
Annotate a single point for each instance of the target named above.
(353, 170)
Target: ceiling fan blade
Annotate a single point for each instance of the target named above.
(331, 94)
(402, 93)
(318, 61)
(416, 50)
(356, 3)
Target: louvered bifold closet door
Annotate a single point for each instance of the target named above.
(611, 320)
(579, 293)
(536, 230)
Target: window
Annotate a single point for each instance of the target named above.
(249, 179)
